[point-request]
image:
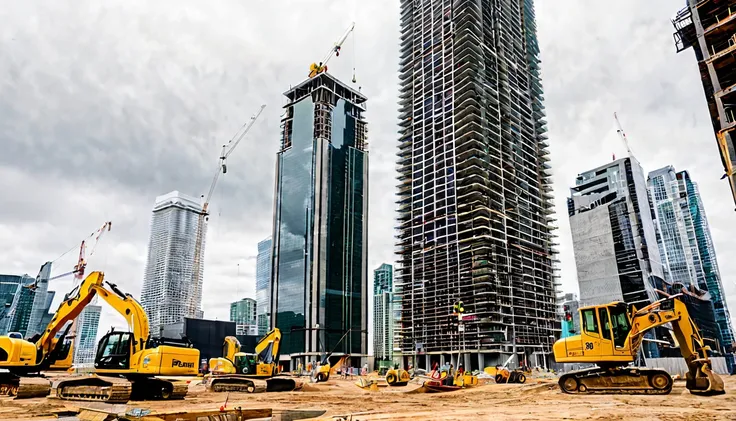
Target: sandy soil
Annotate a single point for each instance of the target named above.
(538, 399)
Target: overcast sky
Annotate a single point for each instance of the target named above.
(106, 105)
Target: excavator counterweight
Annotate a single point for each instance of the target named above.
(610, 338)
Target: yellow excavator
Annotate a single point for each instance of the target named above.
(127, 363)
(238, 371)
(611, 336)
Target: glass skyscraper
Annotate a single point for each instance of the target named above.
(25, 310)
(687, 248)
(263, 285)
(319, 282)
(170, 291)
(383, 321)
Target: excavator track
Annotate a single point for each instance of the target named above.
(24, 387)
(241, 383)
(624, 380)
(154, 388)
(94, 388)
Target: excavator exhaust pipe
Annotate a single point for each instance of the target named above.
(705, 382)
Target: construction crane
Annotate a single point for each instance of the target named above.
(227, 149)
(622, 134)
(315, 68)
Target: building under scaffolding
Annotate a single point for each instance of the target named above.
(709, 26)
(474, 193)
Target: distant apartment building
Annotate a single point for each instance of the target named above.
(170, 291)
(319, 285)
(383, 322)
(86, 341)
(568, 306)
(687, 249)
(263, 285)
(243, 313)
(614, 239)
(709, 27)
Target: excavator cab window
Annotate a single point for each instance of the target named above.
(590, 322)
(620, 324)
(113, 351)
(605, 326)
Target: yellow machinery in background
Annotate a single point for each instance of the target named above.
(126, 363)
(611, 337)
(238, 371)
(397, 377)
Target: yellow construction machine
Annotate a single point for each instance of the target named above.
(397, 377)
(127, 363)
(241, 372)
(611, 336)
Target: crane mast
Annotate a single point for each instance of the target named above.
(622, 134)
(227, 149)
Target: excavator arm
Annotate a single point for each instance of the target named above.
(268, 347)
(700, 378)
(78, 299)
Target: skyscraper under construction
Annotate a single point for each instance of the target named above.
(474, 189)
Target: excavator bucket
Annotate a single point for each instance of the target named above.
(705, 382)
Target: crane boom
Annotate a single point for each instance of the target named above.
(227, 149)
(317, 68)
(622, 134)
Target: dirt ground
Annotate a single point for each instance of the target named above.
(538, 399)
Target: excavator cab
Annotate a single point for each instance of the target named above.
(113, 351)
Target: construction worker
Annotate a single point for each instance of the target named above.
(460, 370)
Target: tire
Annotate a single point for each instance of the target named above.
(166, 392)
(521, 378)
(250, 388)
(391, 378)
(321, 377)
(499, 378)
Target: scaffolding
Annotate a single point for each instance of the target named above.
(474, 190)
(709, 27)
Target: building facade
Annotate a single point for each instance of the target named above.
(319, 296)
(383, 321)
(243, 313)
(686, 246)
(170, 290)
(263, 285)
(708, 27)
(85, 343)
(474, 190)
(613, 235)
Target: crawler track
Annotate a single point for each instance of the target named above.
(629, 381)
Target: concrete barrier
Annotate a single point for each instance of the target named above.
(678, 366)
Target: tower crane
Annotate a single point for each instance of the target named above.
(227, 149)
(622, 134)
(321, 67)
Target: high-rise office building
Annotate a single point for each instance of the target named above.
(86, 340)
(170, 291)
(383, 322)
(263, 285)
(708, 27)
(39, 306)
(319, 289)
(613, 235)
(686, 246)
(474, 189)
(243, 313)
